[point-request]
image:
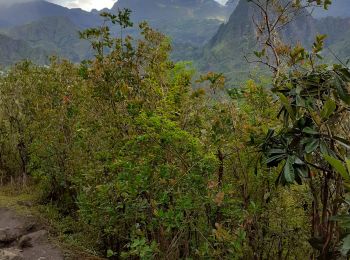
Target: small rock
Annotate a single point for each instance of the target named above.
(30, 239)
(8, 235)
(25, 242)
(10, 254)
(30, 226)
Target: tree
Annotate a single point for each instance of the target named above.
(314, 100)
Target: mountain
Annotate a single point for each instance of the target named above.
(189, 23)
(225, 51)
(13, 51)
(217, 37)
(29, 11)
(53, 28)
(338, 38)
(338, 8)
(236, 39)
(174, 9)
(56, 35)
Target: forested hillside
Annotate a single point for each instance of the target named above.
(13, 51)
(208, 33)
(56, 35)
(199, 22)
(233, 46)
(132, 155)
(23, 12)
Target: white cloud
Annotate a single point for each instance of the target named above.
(85, 4)
(95, 4)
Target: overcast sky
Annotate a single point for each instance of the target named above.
(90, 4)
(84, 4)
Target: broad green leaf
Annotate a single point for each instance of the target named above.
(328, 109)
(300, 101)
(341, 90)
(278, 157)
(257, 54)
(341, 218)
(277, 151)
(311, 146)
(309, 130)
(347, 186)
(303, 172)
(288, 172)
(298, 161)
(323, 148)
(345, 248)
(270, 133)
(348, 164)
(342, 141)
(338, 166)
(287, 105)
(345, 73)
(110, 253)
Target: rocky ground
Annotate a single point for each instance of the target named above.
(22, 238)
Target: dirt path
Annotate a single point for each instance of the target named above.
(22, 238)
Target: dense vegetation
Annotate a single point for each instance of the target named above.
(149, 162)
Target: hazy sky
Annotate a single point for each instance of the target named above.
(90, 4)
(84, 4)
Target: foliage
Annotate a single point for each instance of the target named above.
(314, 102)
(150, 167)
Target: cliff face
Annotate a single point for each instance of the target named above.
(175, 9)
(227, 49)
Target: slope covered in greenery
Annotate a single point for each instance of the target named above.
(231, 50)
(25, 12)
(57, 35)
(189, 24)
(139, 158)
(55, 28)
(13, 51)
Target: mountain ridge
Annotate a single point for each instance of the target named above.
(39, 17)
(206, 32)
(227, 51)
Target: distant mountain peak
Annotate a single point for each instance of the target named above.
(174, 9)
(20, 13)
